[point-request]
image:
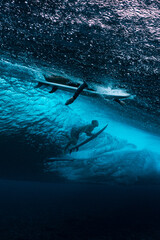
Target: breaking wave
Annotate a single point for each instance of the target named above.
(111, 44)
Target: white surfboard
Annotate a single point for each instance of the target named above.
(64, 85)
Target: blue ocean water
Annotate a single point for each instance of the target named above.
(114, 47)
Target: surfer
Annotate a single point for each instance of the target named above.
(56, 79)
(76, 94)
(62, 80)
(58, 82)
(77, 131)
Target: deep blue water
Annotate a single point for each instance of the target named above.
(111, 188)
(32, 210)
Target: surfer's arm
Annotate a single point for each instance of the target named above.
(89, 134)
(78, 91)
(122, 103)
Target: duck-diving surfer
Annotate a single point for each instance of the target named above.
(77, 131)
(62, 80)
(66, 81)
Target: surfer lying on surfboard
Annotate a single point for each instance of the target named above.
(58, 82)
(63, 80)
(80, 89)
(77, 131)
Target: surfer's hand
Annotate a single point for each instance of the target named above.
(69, 101)
(90, 134)
(122, 103)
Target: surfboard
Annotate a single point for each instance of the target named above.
(65, 85)
(60, 159)
(87, 140)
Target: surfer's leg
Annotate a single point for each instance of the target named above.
(54, 89)
(73, 141)
(78, 91)
(122, 103)
(67, 146)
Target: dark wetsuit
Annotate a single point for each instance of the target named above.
(78, 91)
(76, 131)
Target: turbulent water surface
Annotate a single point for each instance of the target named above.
(110, 44)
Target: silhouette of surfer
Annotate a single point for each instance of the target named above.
(56, 79)
(122, 103)
(65, 81)
(62, 80)
(77, 131)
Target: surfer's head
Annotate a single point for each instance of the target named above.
(95, 123)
